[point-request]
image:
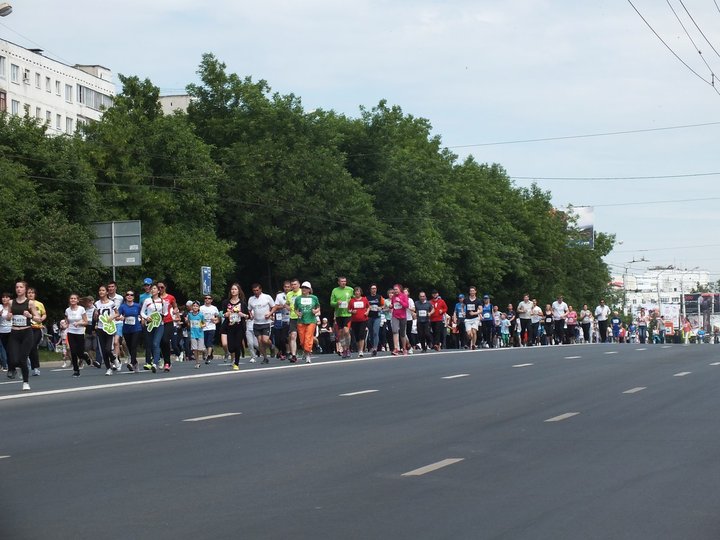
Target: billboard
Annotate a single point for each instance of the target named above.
(585, 225)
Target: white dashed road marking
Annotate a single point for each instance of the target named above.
(611, 352)
(572, 357)
(433, 467)
(562, 417)
(523, 365)
(715, 364)
(457, 376)
(682, 373)
(350, 394)
(635, 390)
(4, 457)
(213, 417)
(643, 349)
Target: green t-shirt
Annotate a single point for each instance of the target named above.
(339, 299)
(290, 297)
(304, 306)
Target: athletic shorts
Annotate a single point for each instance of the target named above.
(197, 344)
(209, 338)
(261, 330)
(118, 328)
(472, 324)
(359, 330)
(293, 325)
(399, 326)
(342, 322)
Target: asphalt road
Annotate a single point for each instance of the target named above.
(300, 452)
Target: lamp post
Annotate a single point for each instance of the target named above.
(5, 9)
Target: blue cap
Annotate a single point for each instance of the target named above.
(147, 281)
(486, 296)
(461, 295)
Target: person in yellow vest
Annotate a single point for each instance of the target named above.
(37, 331)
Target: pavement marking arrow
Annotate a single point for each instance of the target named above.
(433, 467)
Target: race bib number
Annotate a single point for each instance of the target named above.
(195, 324)
(279, 317)
(129, 320)
(422, 313)
(342, 305)
(306, 301)
(397, 305)
(486, 316)
(471, 307)
(19, 320)
(374, 307)
(358, 305)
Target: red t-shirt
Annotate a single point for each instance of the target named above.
(440, 308)
(169, 300)
(358, 308)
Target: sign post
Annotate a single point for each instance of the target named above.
(206, 280)
(119, 243)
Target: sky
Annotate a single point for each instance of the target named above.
(483, 72)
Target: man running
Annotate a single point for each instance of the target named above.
(472, 319)
(211, 318)
(261, 307)
(307, 308)
(560, 311)
(525, 314)
(437, 319)
(281, 323)
(294, 293)
(602, 312)
(376, 302)
(339, 301)
(117, 339)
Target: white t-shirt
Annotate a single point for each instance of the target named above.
(410, 310)
(536, 314)
(209, 312)
(260, 306)
(74, 317)
(602, 313)
(104, 308)
(559, 310)
(151, 306)
(284, 313)
(525, 310)
(5, 324)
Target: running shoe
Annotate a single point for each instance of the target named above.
(129, 367)
(396, 352)
(308, 360)
(293, 359)
(76, 374)
(197, 366)
(12, 374)
(109, 372)
(265, 360)
(252, 360)
(360, 354)
(36, 372)
(96, 364)
(116, 364)
(226, 358)
(147, 367)
(153, 368)
(64, 365)
(236, 367)
(166, 368)
(374, 352)
(26, 386)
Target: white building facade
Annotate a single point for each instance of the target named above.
(57, 94)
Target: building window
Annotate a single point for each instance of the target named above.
(48, 117)
(91, 98)
(3, 67)
(15, 107)
(69, 125)
(37, 80)
(57, 87)
(58, 122)
(26, 76)
(15, 73)
(3, 101)
(38, 113)
(48, 84)
(68, 93)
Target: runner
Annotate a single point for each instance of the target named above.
(339, 301)
(642, 325)
(168, 323)
(105, 316)
(359, 309)
(307, 307)
(196, 321)
(235, 310)
(586, 320)
(424, 310)
(602, 312)
(616, 323)
(22, 314)
(472, 317)
(512, 319)
(488, 323)
(132, 328)
(77, 321)
(411, 316)
(560, 311)
(5, 326)
(377, 302)
(262, 306)
(437, 319)
(211, 318)
(571, 321)
(117, 339)
(535, 318)
(524, 310)
(549, 324)
(459, 320)
(292, 294)
(37, 331)
(152, 312)
(147, 283)
(399, 302)
(281, 326)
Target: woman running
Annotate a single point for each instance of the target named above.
(132, 329)
(22, 314)
(77, 321)
(359, 308)
(37, 326)
(236, 311)
(153, 310)
(5, 326)
(105, 316)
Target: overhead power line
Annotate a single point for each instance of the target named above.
(595, 178)
(698, 27)
(672, 51)
(712, 73)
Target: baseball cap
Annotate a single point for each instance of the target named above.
(189, 303)
(147, 281)
(461, 295)
(486, 296)
(306, 285)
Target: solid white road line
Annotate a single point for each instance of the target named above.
(358, 393)
(522, 365)
(682, 373)
(12, 382)
(213, 417)
(715, 364)
(665, 347)
(457, 376)
(611, 352)
(433, 467)
(635, 390)
(4, 457)
(562, 417)
(572, 357)
(643, 349)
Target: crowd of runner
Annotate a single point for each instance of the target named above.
(100, 332)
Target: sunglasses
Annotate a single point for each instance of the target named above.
(129, 294)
